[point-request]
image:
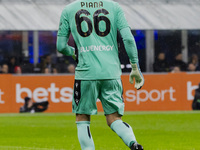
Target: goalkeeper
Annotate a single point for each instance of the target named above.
(94, 27)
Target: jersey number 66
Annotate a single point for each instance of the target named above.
(96, 18)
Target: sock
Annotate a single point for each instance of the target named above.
(124, 131)
(84, 135)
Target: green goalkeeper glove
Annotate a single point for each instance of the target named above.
(73, 53)
(136, 73)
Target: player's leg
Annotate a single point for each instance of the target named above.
(84, 105)
(113, 105)
(123, 130)
(83, 130)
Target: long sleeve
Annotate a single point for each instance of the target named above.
(63, 36)
(63, 47)
(129, 43)
(128, 39)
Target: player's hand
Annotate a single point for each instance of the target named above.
(74, 56)
(137, 75)
(73, 53)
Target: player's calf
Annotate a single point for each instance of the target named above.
(124, 131)
(84, 135)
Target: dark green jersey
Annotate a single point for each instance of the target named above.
(94, 25)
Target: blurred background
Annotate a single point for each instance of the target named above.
(167, 33)
(34, 77)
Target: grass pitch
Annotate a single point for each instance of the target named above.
(57, 131)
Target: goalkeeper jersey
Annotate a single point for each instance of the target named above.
(94, 25)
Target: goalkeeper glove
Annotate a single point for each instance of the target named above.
(136, 73)
(73, 53)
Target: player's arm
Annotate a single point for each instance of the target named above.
(131, 49)
(63, 47)
(130, 45)
(63, 36)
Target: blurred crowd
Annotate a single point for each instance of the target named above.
(67, 65)
(14, 65)
(177, 65)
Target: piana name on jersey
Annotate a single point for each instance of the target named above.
(97, 48)
(92, 4)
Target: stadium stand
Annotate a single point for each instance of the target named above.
(141, 14)
(150, 17)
